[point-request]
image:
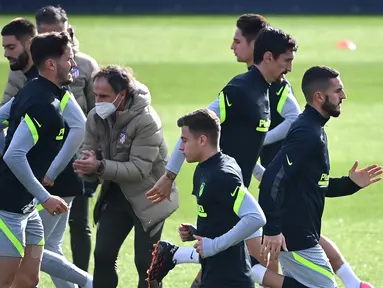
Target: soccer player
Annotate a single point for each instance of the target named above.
(48, 19)
(295, 184)
(227, 212)
(34, 138)
(243, 108)
(17, 35)
(283, 110)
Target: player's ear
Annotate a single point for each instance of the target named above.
(319, 97)
(268, 57)
(203, 140)
(50, 64)
(27, 45)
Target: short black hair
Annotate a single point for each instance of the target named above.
(250, 24)
(119, 78)
(48, 45)
(21, 28)
(51, 15)
(273, 40)
(317, 78)
(202, 122)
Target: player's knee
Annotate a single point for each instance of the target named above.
(78, 226)
(103, 256)
(332, 252)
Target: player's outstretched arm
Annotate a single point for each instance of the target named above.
(162, 189)
(356, 180)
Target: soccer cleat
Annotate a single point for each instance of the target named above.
(365, 285)
(162, 262)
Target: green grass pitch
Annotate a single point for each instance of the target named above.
(185, 61)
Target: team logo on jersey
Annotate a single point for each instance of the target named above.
(122, 137)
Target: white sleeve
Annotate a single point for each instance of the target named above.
(75, 118)
(288, 108)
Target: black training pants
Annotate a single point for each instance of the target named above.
(115, 223)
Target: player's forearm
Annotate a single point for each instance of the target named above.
(273, 212)
(176, 159)
(75, 119)
(68, 150)
(251, 220)
(269, 199)
(277, 133)
(16, 159)
(289, 112)
(258, 171)
(343, 186)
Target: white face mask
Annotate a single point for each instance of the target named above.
(105, 109)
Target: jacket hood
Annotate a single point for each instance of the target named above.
(140, 101)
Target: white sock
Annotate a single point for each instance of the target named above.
(186, 255)
(348, 276)
(89, 283)
(257, 273)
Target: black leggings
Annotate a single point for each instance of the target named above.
(115, 223)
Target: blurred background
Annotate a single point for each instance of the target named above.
(181, 50)
(202, 6)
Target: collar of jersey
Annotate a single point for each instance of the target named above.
(32, 73)
(254, 71)
(213, 159)
(316, 115)
(51, 86)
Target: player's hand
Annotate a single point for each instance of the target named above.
(47, 182)
(161, 190)
(55, 205)
(366, 176)
(88, 164)
(272, 245)
(186, 232)
(198, 246)
(86, 154)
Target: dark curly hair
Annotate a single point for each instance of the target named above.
(119, 78)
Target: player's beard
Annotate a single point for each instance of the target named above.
(331, 108)
(64, 77)
(21, 62)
